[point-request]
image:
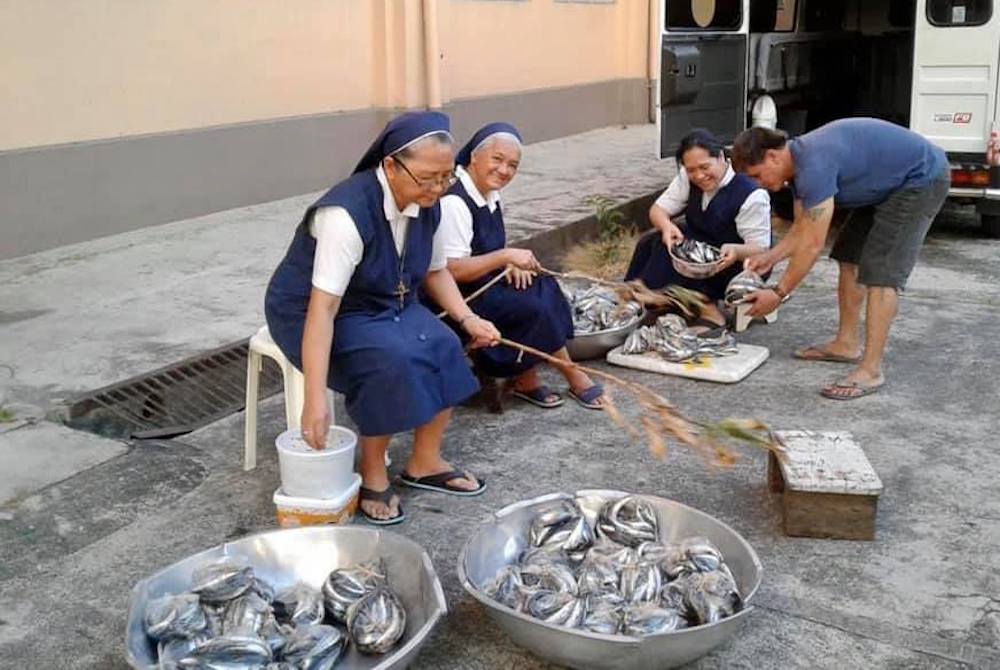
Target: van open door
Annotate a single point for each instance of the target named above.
(703, 69)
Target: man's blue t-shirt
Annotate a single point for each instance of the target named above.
(862, 162)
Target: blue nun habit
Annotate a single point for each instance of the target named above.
(397, 364)
(537, 316)
(715, 225)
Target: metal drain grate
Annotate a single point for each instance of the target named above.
(175, 399)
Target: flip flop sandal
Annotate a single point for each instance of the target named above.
(862, 390)
(587, 397)
(824, 355)
(384, 497)
(439, 483)
(539, 397)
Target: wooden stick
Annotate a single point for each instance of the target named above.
(481, 290)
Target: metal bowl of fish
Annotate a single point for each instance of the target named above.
(695, 259)
(320, 597)
(608, 579)
(601, 319)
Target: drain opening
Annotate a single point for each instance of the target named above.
(175, 399)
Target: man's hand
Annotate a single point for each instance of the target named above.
(315, 421)
(521, 279)
(523, 259)
(763, 302)
(671, 235)
(482, 332)
(760, 263)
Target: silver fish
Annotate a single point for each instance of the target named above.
(562, 526)
(712, 596)
(703, 555)
(263, 589)
(242, 649)
(640, 582)
(299, 604)
(604, 614)
(507, 588)
(376, 622)
(222, 580)
(629, 520)
(651, 620)
(275, 635)
(619, 554)
(170, 652)
(669, 337)
(675, 562)
(281, 665)
(214, 614)
(314, 647)
(173, 616)
(344, 586)
(741, 286)
(248, 612)
(696, 251)
(673, 595)
(597, 574)
(597, 308)
(563, 609)
(549, 576)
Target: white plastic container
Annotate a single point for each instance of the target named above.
(307, 473)
(293, 512)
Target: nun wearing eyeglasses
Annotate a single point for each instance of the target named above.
(526, 308)
(342, 307)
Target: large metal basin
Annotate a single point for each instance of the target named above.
(585, 347)
(308, 555)
(501, 540)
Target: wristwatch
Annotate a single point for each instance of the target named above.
(782, 293)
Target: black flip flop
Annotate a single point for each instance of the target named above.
(439, 483)
(589, 396)
(384, 497)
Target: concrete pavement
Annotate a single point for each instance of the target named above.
(925, 594)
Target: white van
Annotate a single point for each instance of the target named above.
(930, 65)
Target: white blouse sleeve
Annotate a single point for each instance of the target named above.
(454, 233)
(753, 221)
(338, 249)
(675, 199)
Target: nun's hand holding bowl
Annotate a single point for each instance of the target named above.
(482, 332)
(671, 234)
(523, 259)
(728, 255)
(315, 421)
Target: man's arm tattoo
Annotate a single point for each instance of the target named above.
(817, 213)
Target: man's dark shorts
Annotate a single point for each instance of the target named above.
(884, 240)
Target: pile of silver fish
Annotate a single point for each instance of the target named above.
(233, 620)
(671, 338)
(741, 286)
(596, 308)
(695, 251)
(616, 577)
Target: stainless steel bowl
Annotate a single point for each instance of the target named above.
(500, 541)
(597, 345)
(308, 555)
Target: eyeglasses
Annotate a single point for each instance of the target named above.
(428, 184)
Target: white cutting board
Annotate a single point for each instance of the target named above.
(724, 369)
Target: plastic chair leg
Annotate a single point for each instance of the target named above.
(250, 411)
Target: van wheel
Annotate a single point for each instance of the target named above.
(991, 225)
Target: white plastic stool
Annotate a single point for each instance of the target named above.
(743, 319)
(261, 345)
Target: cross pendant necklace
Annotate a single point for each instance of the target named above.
(401, 288)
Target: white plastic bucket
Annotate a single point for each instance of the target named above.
(307, 473)
(293, 512)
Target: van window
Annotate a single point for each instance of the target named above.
(959, 12)
(704, 14)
